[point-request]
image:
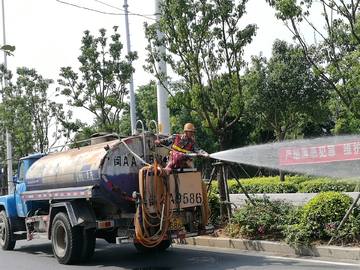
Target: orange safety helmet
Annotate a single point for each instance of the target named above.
(189, 127)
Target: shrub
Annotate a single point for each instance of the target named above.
(319, 218)
(349, 231)
(214, 203)
(297, 234)
(267, 217)
(327, 184)
(259, 185)
(323, 209)
(233, 186)
(292, 184)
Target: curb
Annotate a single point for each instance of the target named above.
(294, 198)
(334, 252)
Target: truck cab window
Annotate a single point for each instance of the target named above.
(21, 172)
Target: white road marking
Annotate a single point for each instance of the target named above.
(315, 261)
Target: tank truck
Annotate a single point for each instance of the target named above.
(114, 189)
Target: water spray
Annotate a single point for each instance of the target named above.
(336, 156)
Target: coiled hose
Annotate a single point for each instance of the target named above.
(159, 189)
(162, 207)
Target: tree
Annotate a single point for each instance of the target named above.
(27, 112)
(8, 49)
(284, 93)
(345, 122)
(334, 55)
(101, 88)
(204, 49)
(146, 103)
(145, 108)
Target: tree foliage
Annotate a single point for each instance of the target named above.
(145, 108)
(283, 92)
(204, 49)
(146, 103)
(8, 49)
(27, 113)
(100, 87)
(334, 54)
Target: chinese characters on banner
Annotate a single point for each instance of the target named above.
(320, 153)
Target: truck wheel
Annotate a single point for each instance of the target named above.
(66, 240)
(88, 245)
(163, 245)
(5, 233)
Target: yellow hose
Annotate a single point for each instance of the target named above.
(162, 197)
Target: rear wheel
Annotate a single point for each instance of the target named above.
(88, 245)
(5, 233)
(163, 245)
(66, 240)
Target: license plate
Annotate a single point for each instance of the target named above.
(175, 224)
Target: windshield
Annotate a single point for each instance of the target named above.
(21, 172)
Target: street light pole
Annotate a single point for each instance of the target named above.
(8, 142)
(132, 95)
(162, 94)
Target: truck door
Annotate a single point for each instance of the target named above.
(20, 187)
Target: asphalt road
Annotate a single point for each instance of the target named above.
(37, 254)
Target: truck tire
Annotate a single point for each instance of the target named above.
(88, 245)
(5, 233)
(163, 245)
(66, 240)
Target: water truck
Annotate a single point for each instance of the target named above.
(114, 189)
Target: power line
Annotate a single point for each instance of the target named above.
(129, 12)
(107, 13)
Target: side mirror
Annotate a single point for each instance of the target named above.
(15, 180)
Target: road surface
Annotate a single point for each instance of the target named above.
(37, 254)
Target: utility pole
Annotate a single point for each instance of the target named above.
(8, 142)
(132, 95)
(162, 94)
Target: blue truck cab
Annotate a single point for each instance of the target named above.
(16, 210)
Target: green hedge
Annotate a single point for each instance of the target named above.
(292, 184)
(324, 185)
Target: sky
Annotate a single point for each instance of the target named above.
(47, 33)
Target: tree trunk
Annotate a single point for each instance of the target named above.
(281, 135)
(282, 175)
(222, 187)
(206, 169)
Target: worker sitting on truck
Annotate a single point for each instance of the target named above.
(181, 144)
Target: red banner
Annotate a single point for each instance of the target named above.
(320, 153)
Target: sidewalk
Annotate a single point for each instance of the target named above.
(334, 252)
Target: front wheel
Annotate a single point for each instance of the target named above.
(66, 240)
(5, 233)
